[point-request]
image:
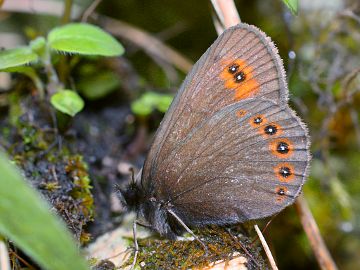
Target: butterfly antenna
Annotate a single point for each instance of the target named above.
(188, 230)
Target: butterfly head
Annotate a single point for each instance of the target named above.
(150, 210)
(132, 196)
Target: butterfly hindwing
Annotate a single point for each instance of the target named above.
(247, 161)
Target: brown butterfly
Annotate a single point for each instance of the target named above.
(229, 149)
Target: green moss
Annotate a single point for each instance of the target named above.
(61, 175)
(222, 244)
(78, 170)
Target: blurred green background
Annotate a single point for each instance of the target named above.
(321, 51)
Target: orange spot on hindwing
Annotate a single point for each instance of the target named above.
(285, 172)
(282, 148)
(270, 130)
(239, 76)
(257, 121)
(281, 193)
(241, 113)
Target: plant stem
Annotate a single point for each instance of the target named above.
(53, 80)
(63, 63)
(67, 12)
(311, 229)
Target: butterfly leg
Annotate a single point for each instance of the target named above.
(136, 245)
(188, 230)
(147, 226)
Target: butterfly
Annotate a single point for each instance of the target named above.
(229, 149)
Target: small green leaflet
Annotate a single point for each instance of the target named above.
(150, 101)
(84, 38)
(16, 57)
(67, 101)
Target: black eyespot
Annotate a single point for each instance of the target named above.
(270, 130)
(281, 192)
(233, 68)
(282, 148)
(258, 120)
(285, 172)
(239, 77)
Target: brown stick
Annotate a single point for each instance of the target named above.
(311, 229)
(90, 10)
(226, 12)
(147, 42)
(266, 248)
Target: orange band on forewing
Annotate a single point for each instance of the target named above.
(274, 148)
(282, 177)
(243, 89)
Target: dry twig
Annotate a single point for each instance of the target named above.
(266, 248)
(311, 229)
(147, 42)
(226, 14)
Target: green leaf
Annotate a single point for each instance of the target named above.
(16, 57)
(150, 101)
(99, 85)
(38, 45)
(27, 221)
(67, 101)
(164, 103)
(292, 5)
(138, 108)
(84, 39)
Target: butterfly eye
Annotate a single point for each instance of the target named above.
(270, 130)
(239, 77)
(233, 68)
